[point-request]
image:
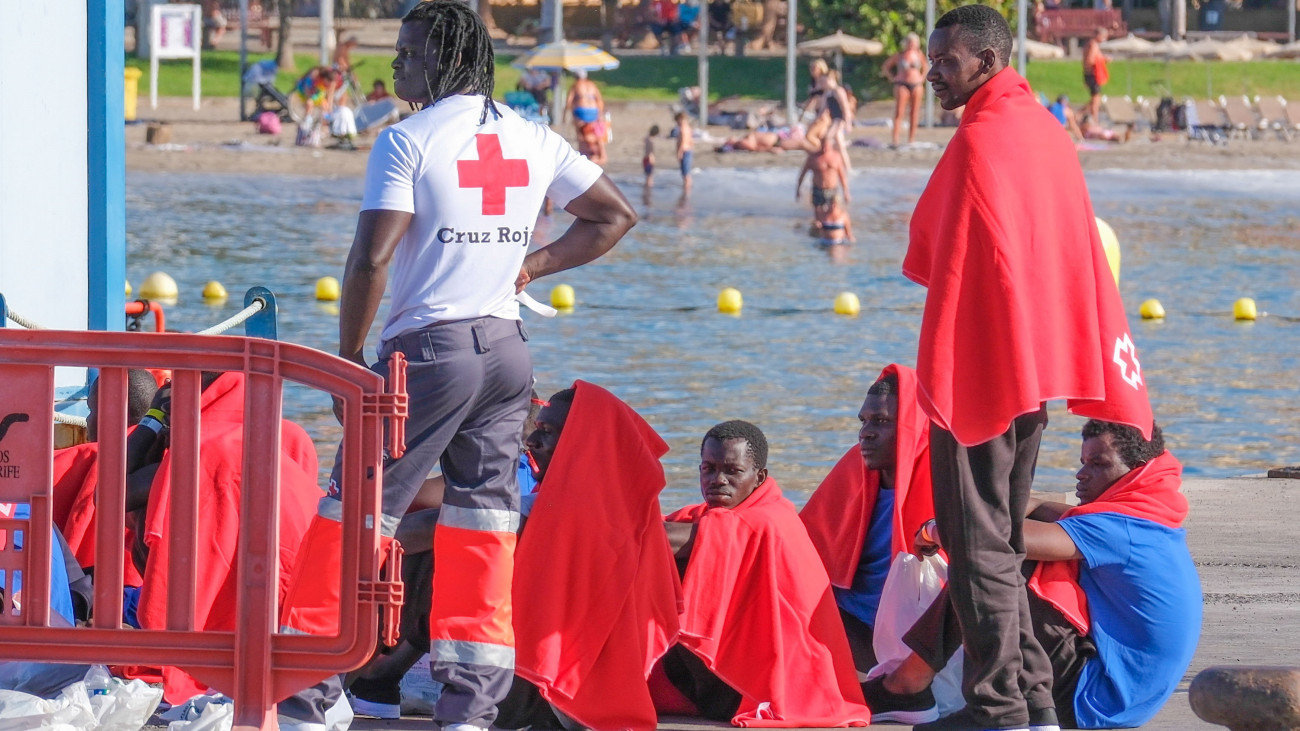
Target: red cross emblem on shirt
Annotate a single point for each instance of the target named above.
(492, 173)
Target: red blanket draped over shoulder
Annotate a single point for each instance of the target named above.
(760, 613)
(1150, 492)
(1022, 306)
(839, 512)
(76, 476)
(221, 426)
(596, 590)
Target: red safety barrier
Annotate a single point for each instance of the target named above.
(254, 664)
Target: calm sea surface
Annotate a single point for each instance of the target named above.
(646, 328)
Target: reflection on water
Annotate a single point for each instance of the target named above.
(645, 325)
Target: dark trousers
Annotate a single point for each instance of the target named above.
(715, 699)
(861, 641)
(980, 496)
(937, 635)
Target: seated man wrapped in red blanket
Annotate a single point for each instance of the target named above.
(873, 502)
(221, 456)
(762, 644)
(1115, 598)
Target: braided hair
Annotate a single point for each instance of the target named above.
(466, 62)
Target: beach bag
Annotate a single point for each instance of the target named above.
(308, 132)
(268, 123)
(910, 588)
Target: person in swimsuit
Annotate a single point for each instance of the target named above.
(907, 70)
(648, 156)
(833, 227)
(1095, 73)
(828, 178)
(685, 149)
(836, 104)
(585, 101)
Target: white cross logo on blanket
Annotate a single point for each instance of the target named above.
(1127, 359)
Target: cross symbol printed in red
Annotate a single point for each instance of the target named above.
(492, 173)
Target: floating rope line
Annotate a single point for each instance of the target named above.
(237, 319)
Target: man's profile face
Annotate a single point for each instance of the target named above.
(955, 72)
(412, 65)
(544, 439)
(877, 437)
(1102, 466)
(727, 472)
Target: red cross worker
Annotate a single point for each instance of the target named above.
(452, 195)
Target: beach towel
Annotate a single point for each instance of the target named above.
(1022, 306)
(1150, 492)
(76, 476)
(839, 512)
(221, 458)
(596, 591)
(760, 613)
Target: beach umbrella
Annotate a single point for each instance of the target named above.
(1039, 51)
(566, 56)
(1290, 50)
(1130, 46)
(1210, 50)
(840, 43)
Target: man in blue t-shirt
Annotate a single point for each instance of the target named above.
(1118, 654)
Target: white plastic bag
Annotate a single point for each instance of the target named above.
(420, 692)
(912, 585)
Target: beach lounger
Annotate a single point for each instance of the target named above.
(1205, 121)
(1273, 115)
(1120, 110)
(1241, 117)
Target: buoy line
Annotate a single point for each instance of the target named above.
(238, 318)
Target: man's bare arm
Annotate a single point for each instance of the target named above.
(1048, 542)
(365, 276)
(603, 214)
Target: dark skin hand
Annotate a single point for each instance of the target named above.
(603, 215)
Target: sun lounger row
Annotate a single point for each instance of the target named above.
(1214, 120)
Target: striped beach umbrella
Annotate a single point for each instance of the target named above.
(566, 56)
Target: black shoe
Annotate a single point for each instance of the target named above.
(888, 707)
(378, 698)
(1044, 719)
(963, 721)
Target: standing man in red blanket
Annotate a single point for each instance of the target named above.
(1021, 308)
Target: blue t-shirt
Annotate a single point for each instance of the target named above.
(527, 486)
(1058, 110)
(1144, 599)
(862, 599)
(60, 594)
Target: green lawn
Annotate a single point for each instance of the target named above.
(653, 78)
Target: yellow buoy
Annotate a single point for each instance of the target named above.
(1109, 244)
(128, 288)
(730, 301)
(159, 286)
(327, 289)
(562, 297)
(214, 291)
(1152, 310)
(846, 303)
(1244, 309)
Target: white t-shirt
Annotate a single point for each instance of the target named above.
(474, 192)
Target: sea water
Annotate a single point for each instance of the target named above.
(646, 328)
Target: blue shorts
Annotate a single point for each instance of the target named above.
(586, 115)
(686, 162)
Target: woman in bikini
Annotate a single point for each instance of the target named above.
(907, 70)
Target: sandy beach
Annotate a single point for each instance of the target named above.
(213, 140)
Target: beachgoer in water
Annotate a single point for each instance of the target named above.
(1064, 114)
(817, 70)
(828, 179)
(685, 149)
(833, 227)
(872, 503)
(758, 606)
(591, 142)
(437, 180)
(836, 103)
(1007, 179)
(585, 101)
(907, 69)
(648, 154)
(1118, 652)
(1096, 74)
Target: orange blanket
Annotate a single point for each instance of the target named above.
(1150, 492)
(1022, 306)
(839, 512)
(76, 476)
(760, 613)
(220, 470)
(596, 590)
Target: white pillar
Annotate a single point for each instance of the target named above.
(1290, 20)
(702, 40)
(1180, 19)
(929, 93)
(791, 26)
(326, 32)
(557, 88)
(1022, 8)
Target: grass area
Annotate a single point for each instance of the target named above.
(654, 78)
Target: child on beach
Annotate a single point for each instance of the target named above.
(685, 148)
(648, 157)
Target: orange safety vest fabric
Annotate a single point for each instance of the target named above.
(760, 613)
(471, 588)
(595, 577)
(220, 470)
(839, 512)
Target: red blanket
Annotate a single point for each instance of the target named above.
(1022, 306)
(760, 613)
(596, 590)
(76, 476)
(220, 470)
(839, 512)
(1150, 492)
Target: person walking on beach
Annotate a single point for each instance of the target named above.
(1095, 72)
(1005, 227)
(685, 149)
(907, 69)
(451, 196)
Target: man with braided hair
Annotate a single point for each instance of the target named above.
(451, 197)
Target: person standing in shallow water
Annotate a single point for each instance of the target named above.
(461, 166)
(1005, 227)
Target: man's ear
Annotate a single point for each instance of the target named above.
(762, 476)
(988, 60)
